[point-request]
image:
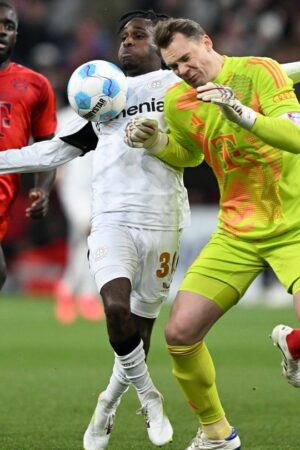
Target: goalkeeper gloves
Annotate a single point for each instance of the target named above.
(232, 109)
(144, 133)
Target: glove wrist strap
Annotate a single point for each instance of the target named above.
(161, 141)
(248, 118)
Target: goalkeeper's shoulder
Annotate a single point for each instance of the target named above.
(264, 68)
(264, 62)
(175, 88)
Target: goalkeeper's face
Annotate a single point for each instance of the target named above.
(192, 59)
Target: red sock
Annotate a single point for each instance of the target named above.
(293, 341)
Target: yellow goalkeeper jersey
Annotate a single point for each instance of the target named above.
(259, 185)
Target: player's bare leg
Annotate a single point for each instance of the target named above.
(126, 334)
(145, 327)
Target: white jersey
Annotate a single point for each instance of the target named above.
(130, 186)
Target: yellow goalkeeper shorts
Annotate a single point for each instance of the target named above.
(227, 261)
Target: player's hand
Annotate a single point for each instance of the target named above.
(144, 133)
(39, 203)
(231, 108)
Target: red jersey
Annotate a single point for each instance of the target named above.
(27, 109)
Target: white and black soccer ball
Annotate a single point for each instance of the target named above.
(97, 91)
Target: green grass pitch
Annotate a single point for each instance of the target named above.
(50, 376)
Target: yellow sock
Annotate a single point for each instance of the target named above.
(195, 372)
(218, 430)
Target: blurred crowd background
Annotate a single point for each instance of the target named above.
(56, 36)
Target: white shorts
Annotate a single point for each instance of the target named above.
(148, 258)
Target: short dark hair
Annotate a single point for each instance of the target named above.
(164, 31)
(8, 5)
(149, 14)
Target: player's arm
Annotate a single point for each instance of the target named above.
(292, 70)
(43, 126)
(276, 97)
(282, 132)
(39, 194)
(41, 156)
(76, 139)
(145, 133)
(178, 155)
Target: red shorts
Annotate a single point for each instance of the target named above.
(9, 187)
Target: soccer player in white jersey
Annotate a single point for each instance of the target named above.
(139, 206)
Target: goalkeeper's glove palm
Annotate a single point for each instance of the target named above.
(232, 109)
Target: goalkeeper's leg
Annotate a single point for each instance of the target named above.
(192, 316)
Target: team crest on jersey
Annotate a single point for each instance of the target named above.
(100, 253)
(156, 84)
(20, 85)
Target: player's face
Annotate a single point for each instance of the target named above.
(191, 59)
(8, 33)
(137, 52)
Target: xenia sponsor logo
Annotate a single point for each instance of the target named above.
(153, 105)
(102, 102)
(141, 108)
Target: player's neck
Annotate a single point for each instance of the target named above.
(142, 69)
(4, 64)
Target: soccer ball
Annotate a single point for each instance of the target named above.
(97, 91)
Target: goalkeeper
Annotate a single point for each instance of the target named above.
(241, 115)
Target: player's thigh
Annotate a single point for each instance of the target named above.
(112, 254)
(158, 256)
(224, 261)
(283, 255)
(192, 315)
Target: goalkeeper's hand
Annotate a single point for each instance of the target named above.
(144, 133)
(231, 108)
